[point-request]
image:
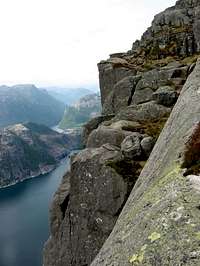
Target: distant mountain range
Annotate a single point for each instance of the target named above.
(68, 96)
(28, 150)
(27, 103)
(83, 110)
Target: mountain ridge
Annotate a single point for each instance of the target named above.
(77, 114)
(28, 150)
(27, 103)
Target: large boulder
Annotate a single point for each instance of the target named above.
(165, 96)
(103, 135)
(147, 145)
(93, 124)
(153, 79)
(124, 125)
(82, 219)
(131, 147)
(121, 95)
(142, 96)
(111, 72)
(143, 112)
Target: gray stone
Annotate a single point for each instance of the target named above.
(147, 145)
(130, 147)
(142, 96)
(165, 96)
(125, 125)
(174, 32)
(103, 135)
(162, 205)
(160, 221)
(93, 124)
(83, 218)
(110, 73)
(143, 112)
(121, 95)
(152, 79)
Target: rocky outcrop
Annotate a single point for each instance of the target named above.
(143, 87)
(160, 223)
(173, 32)
(139, 90)
(93, 124)
(165, 49)
(28, 150)
(83, 237)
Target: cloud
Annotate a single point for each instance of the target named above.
(59, 42)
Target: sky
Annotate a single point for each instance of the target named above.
(60, 42)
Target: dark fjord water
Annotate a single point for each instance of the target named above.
(24, 214)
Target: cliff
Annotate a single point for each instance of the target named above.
(152, 203)
(81, 112)
(160, 223)
(28, 150)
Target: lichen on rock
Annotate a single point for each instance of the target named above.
(162, 211)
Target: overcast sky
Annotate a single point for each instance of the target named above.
(59, 42)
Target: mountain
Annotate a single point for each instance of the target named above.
(81, 112)
(29, 149)
(66, 95)
(27, 103)
(132, 195)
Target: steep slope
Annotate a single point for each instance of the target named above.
(160, 222)
(28, 150)
(138, 92)
(26, 103)
(81, 112)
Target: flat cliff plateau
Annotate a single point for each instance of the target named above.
(118, 206)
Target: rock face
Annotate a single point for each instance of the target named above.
(160, 223)
(28, 150)
(174, 32)
(88, 235)
(138, 92)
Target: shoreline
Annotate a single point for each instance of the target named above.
(36, 176)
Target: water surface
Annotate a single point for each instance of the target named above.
(24, 211)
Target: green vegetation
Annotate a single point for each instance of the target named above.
(73, 118)
(154, 128)
(35, 154)
(77, 116)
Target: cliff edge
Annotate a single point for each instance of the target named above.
(139, 90)
(160, 222)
